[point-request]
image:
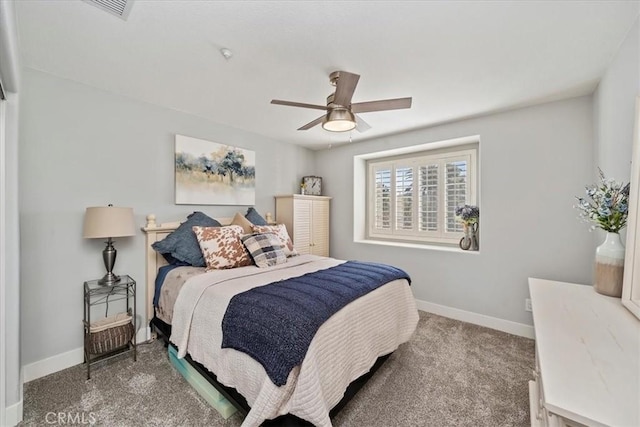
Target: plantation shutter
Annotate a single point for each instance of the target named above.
(428, 198)
(455, 192)
(382, 198)
(404, 197)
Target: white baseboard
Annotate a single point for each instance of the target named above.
(144, 334)
(66, 360)
(13, 414)
(74, 357)
(53, 364)
(507, 326)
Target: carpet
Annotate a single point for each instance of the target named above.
(451, 373)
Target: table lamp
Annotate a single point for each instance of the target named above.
(102, 222)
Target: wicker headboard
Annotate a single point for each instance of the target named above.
(155, 232)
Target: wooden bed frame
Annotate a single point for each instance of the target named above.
(155, 232)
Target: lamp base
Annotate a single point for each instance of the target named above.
(109, 279)
(109, 257)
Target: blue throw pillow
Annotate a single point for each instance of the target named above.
(182, 244)
(255, 218)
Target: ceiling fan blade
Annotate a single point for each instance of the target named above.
(361, 125)
(313, 123)
(298, 104)
(345, 86)
(384, 104)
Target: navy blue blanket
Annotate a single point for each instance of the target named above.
(275, 323)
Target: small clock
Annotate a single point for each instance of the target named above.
(312, 185)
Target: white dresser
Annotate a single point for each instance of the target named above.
(587, 358)
(307, 222)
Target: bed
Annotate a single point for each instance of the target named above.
(346, 348)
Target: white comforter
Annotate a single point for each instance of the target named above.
(344, 348)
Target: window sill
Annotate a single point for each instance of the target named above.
(441, 248)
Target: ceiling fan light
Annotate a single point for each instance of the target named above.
(339, 120)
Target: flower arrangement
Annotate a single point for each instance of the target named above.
(606, 205)
(468, 214)
(303, 188)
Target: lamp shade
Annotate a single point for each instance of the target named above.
(339, 120)
(108, 221)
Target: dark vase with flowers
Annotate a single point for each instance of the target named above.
(469, 216)
(469, 241)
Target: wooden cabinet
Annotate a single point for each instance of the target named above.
(587, 358)
(307, 221)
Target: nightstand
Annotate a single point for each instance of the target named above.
(109, 335)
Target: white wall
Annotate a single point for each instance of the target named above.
(80, 147)
(10, 375)
(614, 114)
(11, 271)
(533, 161)
(614, 109)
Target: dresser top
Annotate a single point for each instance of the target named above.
(301, 196)
(588, 349)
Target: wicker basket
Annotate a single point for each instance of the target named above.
(110, 333)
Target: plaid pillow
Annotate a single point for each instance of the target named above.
(265, 249)
(280, 230)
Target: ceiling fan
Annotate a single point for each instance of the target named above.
(341, 113)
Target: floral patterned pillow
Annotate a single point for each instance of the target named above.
(222, 247)
(281, 232)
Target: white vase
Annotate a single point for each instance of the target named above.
(609, 266)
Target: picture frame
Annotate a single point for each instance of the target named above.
(209, 173)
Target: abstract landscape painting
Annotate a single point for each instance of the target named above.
(208, 173)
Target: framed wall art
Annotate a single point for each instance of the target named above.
(209, 173)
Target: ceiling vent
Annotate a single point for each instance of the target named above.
(119, 8)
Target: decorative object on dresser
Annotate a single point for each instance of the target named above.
(606, 207)
(587, 358)
(107, 222)
(469, 216)
(208, 173)
(312, 185)
(307, 221)
(610, 266)
(631, 282)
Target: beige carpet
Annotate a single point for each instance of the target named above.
(450, 374)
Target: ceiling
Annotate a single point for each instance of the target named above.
(455, 58)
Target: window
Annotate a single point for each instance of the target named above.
(414, 197)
